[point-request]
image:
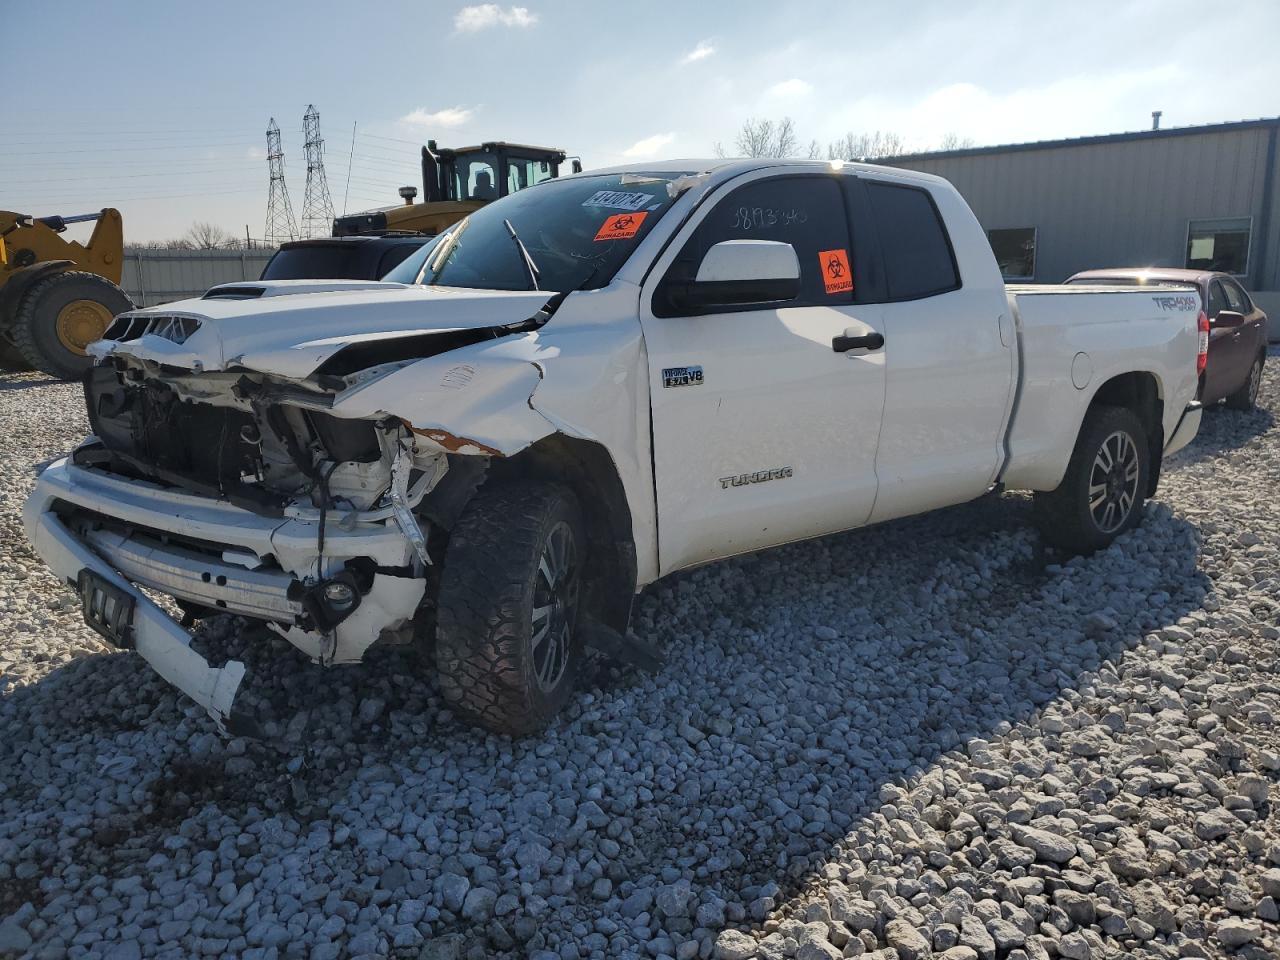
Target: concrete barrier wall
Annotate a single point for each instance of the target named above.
(154, 276)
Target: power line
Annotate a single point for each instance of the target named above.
(151, 175)
(84, 200)
(59, 152)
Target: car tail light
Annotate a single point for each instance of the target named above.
(1202, 351)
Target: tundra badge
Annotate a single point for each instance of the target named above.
(760, 476)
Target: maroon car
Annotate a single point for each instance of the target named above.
(1237, 328)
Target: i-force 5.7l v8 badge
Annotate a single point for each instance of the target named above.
(681, 377)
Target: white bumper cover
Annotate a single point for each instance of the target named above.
(1186, 429)
(290, 542)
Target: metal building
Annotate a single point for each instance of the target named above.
(1201, 197)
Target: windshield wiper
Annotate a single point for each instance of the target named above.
(529, 265)
(539, 319)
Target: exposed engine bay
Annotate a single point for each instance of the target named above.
(270, 448)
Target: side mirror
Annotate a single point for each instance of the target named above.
(738, 273)
(1227, 320)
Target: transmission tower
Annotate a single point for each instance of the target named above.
(317, 205)
(280, 223)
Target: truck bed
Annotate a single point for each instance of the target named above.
(1073, 339)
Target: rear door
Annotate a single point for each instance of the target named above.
(762, 433)
(949, 353)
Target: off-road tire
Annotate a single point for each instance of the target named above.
(35, 331)
(485, 659)
(1064, 515)
(1246, 398)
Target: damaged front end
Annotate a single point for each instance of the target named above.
(302, 504)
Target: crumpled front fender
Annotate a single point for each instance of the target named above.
(474, 400)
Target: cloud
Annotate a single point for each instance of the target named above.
(703, 50)
(790, 89)
(256, 153)
(432, 120)
(648, 147)
(482, 16)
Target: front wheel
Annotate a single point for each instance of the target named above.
(1102, 492)
(1246, 398)
(507, 644)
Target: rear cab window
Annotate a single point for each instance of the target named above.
(914, 247)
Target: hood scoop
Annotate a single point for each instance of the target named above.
(286, 288)
(228, 292)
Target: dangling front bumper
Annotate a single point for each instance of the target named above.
(130, 534)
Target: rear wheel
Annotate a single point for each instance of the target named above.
(1246, 398)
(507, 645)
(1102, 492)
(60, 316)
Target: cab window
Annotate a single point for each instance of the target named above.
(807, 212)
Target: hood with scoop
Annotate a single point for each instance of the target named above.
(289, 328)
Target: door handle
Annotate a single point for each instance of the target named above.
(872, 341)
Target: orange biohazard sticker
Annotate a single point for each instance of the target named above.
(836, 275)
(621, 226)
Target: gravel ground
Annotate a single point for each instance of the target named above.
(928, 738)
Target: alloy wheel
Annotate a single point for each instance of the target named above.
(555, 607)
(1113, 482)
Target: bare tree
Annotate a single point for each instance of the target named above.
(205, 236)
(866, 146)
(769, 138)
(953, 141)
(764, 138)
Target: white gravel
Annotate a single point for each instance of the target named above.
(927, 738)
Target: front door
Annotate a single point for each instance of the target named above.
(1230, 355)
(762, 433)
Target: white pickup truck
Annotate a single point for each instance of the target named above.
(577, 390)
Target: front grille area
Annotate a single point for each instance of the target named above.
(129, 326)
(149, 428)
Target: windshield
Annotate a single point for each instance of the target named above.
(578, 233)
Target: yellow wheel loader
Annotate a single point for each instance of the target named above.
(57, 296)
(456, 182)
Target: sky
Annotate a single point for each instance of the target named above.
(161, 108)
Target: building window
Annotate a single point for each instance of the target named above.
(1221, 245)
(1015, 251)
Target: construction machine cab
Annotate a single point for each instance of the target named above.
(486, 172)
(456, 181)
